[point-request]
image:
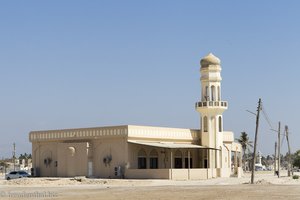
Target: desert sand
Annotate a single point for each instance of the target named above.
(267, 186)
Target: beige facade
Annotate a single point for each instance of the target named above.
(142, 151)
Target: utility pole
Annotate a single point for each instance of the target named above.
(255, 140)
(289, 149)
(14, 156)
(275, 159)
(278, 149)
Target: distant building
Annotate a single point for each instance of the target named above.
(258, 164)
(146, 152)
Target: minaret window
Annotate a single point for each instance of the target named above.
(206, 94)
(220, 124)
(219, 94)
(205, 124)
(213, 93)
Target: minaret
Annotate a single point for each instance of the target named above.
(259, 158)
(211, 108)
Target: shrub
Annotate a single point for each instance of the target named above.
(295, 177)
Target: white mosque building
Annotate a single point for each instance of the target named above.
(130, 151)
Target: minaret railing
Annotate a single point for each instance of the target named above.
(211, 104)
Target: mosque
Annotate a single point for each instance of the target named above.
(146, 152)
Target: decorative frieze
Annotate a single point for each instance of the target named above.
(146, 132)
(89, 133)
(117, 131)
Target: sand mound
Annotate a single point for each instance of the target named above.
(262, 182)
(72, 181)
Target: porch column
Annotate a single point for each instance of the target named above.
(229, 159)
(171, 160)
(189, 164)
(235, 162)
(90, 159)
(240, 161)
(221, 158)
(207, 162)
(208, 159)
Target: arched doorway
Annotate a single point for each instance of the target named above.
(178, 159)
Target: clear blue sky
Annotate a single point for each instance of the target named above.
(67, 64)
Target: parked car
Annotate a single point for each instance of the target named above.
(16, 174)
(296, 170)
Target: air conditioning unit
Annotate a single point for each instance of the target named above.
(118, 172)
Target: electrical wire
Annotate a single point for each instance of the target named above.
(284, 135)
(266, 117)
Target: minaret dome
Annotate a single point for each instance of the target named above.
(210, 59)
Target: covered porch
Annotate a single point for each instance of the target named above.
(176, 161)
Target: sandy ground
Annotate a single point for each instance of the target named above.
(267, 186)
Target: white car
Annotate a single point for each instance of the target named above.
(16, 174)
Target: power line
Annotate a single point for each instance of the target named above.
(266, 116)
(282, 140)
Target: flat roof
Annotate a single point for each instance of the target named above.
(169, 145)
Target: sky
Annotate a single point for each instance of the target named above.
(70, 64)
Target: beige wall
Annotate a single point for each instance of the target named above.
(42, 152)
(72, 159)
(55, 159)
(116, 148)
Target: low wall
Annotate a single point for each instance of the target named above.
(199, 174)
(148, 173)
(174, 174)
(219, 172)
(179, 174)
(224, 172)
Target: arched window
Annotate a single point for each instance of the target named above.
(205, 124)
(219, 94)
(213, 93)
(178, 159)
(72, 151)
(142, 159)
(220, 124)
(153, 159)
(206, 93)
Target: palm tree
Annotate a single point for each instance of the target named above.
(3, 166)
(246, 144)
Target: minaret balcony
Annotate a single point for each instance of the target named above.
(212, 104)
